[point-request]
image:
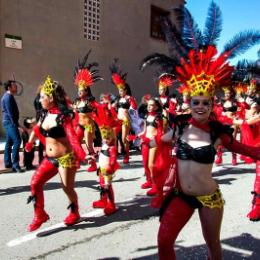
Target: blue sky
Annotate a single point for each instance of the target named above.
(237, 15)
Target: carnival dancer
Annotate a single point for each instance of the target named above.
(153, 127)
(164, 83)
(184, 106)
(63, 152)
(198, 137)
(229, 106)
(251, 101)
(250, 131)
(254, 139)
(85, 76)
(196, 141)
(107, 159)
(124, 102)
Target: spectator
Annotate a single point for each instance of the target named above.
(10, 122)
(39, 111)
(29, 123)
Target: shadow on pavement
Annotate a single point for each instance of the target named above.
(137, 209)
(241, 247)
(92, 184)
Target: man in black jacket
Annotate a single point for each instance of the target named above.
(10, 121)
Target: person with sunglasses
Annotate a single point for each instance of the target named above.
(196, 138)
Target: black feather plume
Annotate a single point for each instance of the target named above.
(158, 59)
(191, 33)
(213, 25)
(241, 42)
(174, 39)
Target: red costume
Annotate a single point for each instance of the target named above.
(107, 159)
(85, 76)
(48, 168)
(124, 102)
(200, 69)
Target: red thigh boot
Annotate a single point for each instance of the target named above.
(73, 216)
(110, 207)
(173, 220)
(45, 171)
(102, 202)
(254, 214)
(145, 154)
(218, 160)
(79, 132)
(92, 167)
(234, 159)
(126, 158)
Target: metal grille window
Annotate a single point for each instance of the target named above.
(92, 19)
(156, 15)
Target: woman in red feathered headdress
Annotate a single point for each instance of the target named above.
(124, 102)
(84, 106)
(197, 135)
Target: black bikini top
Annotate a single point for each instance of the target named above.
(204, 154)
(230, 109)
(54, 132)
(153, 122)
(123, 103)
(85, 109)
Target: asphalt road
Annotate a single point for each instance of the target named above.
(131, 233)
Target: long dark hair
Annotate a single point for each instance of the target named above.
(61, 99)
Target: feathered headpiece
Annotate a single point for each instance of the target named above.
(247, 74)
(118, 77)
(106, 122)
(184, 90)
(240, 88)
(85, 75)
(165, 80)
(195, 53)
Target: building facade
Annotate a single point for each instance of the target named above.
(47, 37)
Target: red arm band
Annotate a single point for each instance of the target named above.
(132, 103)
(76, 146)
(113, 164)
(39, 135)
(243, 105)
(234, 146)
(28, 147)
(112, 155)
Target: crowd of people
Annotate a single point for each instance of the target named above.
(179, 135)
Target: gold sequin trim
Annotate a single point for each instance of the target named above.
(67, 161)
(214, 200)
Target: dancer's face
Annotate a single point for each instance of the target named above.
(45, 100)
(122, 92)
(151, 106)
(162, 90)
(201, 107)
(227, 95)
(82, 93)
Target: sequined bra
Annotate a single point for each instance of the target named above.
(204, 154)
(85, 109)
(54, 132)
